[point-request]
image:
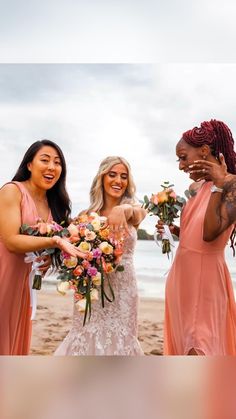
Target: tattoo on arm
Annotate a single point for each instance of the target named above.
(229, 199)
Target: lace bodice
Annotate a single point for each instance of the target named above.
(112, 330)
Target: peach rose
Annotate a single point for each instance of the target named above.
(106, 248)
(78, 270)
(70, 262)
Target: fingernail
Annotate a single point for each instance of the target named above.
(190, 167)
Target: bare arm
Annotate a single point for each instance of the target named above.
(221, 211)
(10, 223)
(124, 214)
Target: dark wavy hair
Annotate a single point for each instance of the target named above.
(58, 198)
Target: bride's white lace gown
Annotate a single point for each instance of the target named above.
(112, 330)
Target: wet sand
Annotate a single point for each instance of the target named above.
(54, 316)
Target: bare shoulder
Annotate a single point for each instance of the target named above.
(10, 192)
(194, 187)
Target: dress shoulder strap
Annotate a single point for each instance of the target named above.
(20, 186)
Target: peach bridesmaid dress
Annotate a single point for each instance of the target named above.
(200, 310)
(15, 309)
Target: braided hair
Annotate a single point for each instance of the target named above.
(217, 135)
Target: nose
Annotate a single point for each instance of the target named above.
(181, 165)
(118, 179)
(51, 165)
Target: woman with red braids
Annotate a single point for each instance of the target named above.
(200, 317)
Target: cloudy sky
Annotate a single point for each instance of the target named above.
(117, 31)
(138, 111)
(116, 103)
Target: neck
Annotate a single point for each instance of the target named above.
(109, 204)
(37, 193)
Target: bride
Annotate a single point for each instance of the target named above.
(112, 330)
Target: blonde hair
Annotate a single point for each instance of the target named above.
(96, 190)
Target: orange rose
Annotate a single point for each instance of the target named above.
(105, 233)
(109, 268)
(162, 197)
(78, 270)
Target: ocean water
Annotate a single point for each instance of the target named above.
(152, 267)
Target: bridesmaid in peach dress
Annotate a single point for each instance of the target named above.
(200, 312)
(36, 192)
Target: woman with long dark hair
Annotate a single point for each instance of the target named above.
(37, 191)
(200, 312)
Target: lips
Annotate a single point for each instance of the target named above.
(49, 178)
(116, 188)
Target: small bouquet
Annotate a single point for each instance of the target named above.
(102, 255)
(42, 229)
(167, 206)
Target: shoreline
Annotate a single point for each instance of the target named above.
(54, 316)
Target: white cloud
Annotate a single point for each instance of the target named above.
(91, 111)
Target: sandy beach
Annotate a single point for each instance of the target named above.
(54, 315)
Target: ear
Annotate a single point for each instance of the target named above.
(29, 166)
(205, 151)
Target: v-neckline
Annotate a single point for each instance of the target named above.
(32, 199)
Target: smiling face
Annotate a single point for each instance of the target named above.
(115, 182)
(186, 155)
(45, 168)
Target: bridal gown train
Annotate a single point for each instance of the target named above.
(112, 330)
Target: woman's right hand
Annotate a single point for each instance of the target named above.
(68, 247)
(173, 228)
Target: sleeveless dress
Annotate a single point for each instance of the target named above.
(112, 330)
(15, 309)
(200, 311)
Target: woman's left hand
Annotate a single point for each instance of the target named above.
(210, 171)
(117, 221)
(47, 263)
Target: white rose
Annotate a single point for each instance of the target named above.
(94, 295)
(96, 224)
(63, 287)
(96, 280)
(81, 304)
(89, 235)
(73, 230)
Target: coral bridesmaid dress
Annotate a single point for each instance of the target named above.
(15, 309)
(200, 308)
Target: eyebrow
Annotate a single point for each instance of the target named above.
(122, 173)
(48, 155)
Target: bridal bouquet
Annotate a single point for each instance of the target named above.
(42, 229)
(102, 255)
(166, 205)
